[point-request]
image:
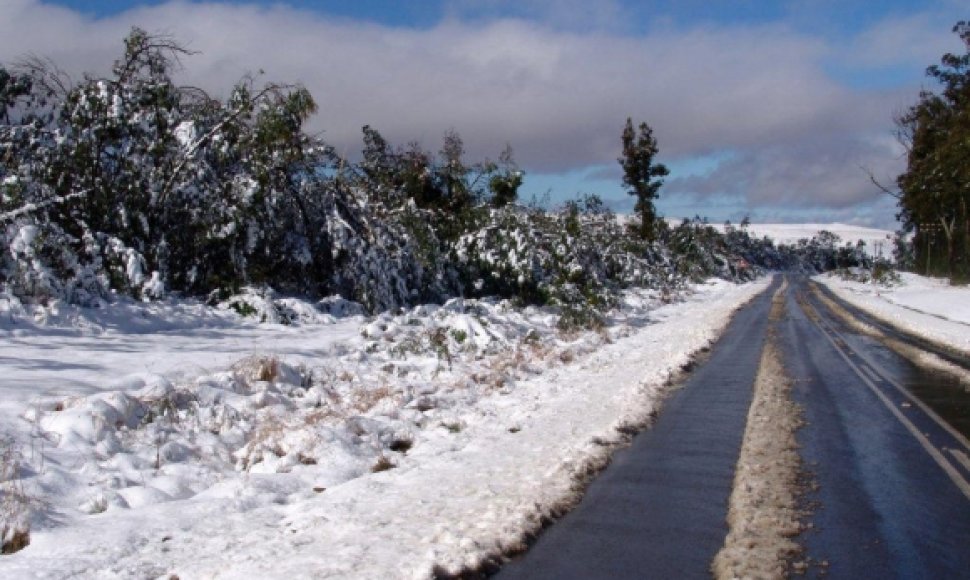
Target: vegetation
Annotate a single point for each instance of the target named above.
(934, 191)
(14, 503)
(131, 185)
(642, 175)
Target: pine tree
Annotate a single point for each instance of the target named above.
(642, 175)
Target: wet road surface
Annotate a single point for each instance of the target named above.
(889, 474)
(892, 497)
(659, 510)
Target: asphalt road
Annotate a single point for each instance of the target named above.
(892, 497)
(889, 476)
(659, 510)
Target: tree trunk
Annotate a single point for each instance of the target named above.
(965, 255)
(950, 246)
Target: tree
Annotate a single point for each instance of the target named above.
(130, 183)
(642, 175)
(452, 173)
(935, 188)
(12, 87)
(379, 162)
(505, 184)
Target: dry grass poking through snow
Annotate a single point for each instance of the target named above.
(14, 527)
(763, 515)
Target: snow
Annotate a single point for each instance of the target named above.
(878, 243)
(927, 307)
(175, 438)
(23, 242)
(763, 512)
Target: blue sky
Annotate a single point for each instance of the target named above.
(770, 109)
(825, 17)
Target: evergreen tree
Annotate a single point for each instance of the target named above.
(642, 175)
(935, 189)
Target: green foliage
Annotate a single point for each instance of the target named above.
(904, 254)
(243, 308)
(577, 259)
(504, 185)
(641, 175)
(881, 272)
(884, 272)
(935, 188)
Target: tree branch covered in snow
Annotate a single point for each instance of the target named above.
(32, 207)
(133, 185)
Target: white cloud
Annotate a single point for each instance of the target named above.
(832, 174)
(577, 15)
(559, 97)
(917, 40)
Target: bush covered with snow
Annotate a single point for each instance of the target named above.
(133, 186)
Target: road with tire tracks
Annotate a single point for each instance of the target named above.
(884, 451)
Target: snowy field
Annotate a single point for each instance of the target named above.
(176, 439)
(928, 307)
(878, 243)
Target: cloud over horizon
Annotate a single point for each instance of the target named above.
(762, 93)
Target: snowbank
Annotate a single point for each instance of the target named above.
(438, 437)
(927, 307)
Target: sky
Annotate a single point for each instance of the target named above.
(773, 110)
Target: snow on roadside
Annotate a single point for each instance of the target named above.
(65, 351)
(927, 307)
(440, 436)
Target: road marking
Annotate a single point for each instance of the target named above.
(870, 373)
(887, 376)
(917, 352)
(961, 457)
(940, 459)
(919, 403)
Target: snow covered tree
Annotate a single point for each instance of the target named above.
(133, 185)
(137, 183)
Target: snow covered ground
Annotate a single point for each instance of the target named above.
(928, 307)
(166, 439)
(878, 243)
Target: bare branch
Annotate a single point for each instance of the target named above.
(147, 43)
(45, 74)
(883, 188)
(197, 96)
